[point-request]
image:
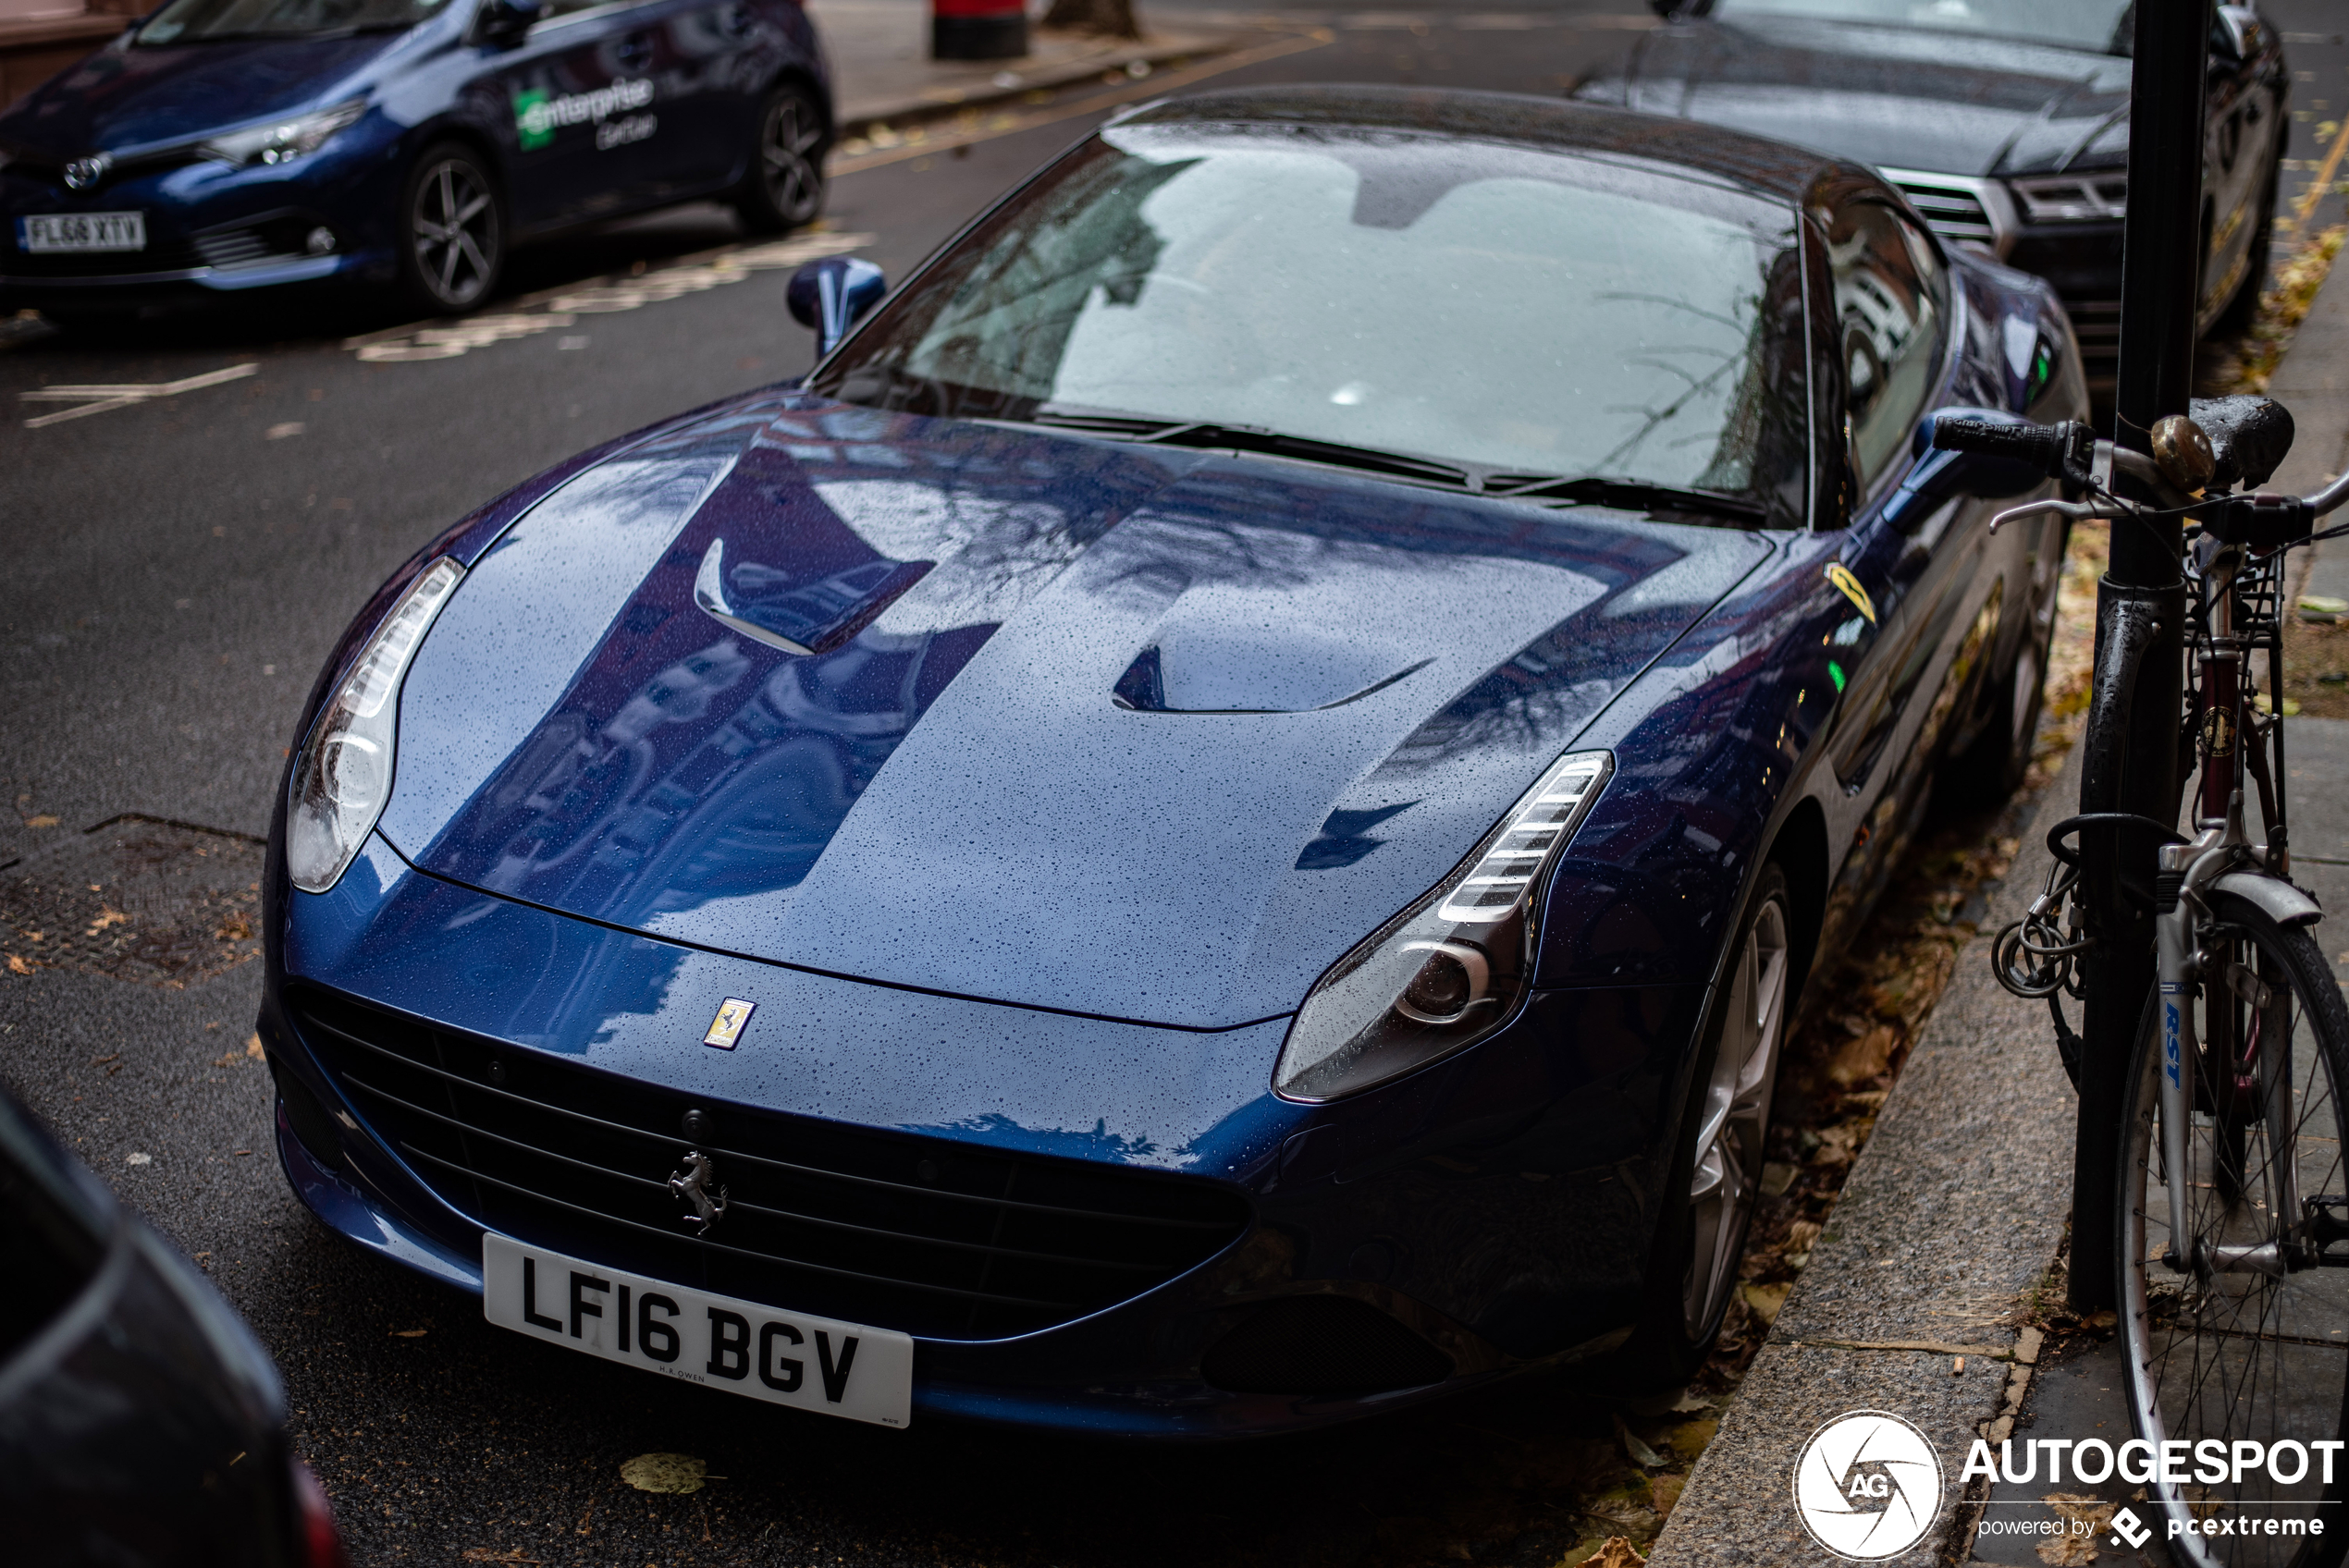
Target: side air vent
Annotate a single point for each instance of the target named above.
(1321, 1346)
(2075, 198)
(2096, 323)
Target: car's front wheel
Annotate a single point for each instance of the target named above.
(783, 185)
(452, 229)
(1702, 1238)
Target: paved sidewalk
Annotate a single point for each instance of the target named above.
(879, 51)
(1958, 1204)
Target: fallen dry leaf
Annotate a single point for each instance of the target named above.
(664, 1473)
(1765, 1300)
(253, 1048)
(1864, 1057)
(108, 915)
(2086, 1515)
(1691, 1439)
(1665, 1492)
(44, 820)
(18, 966)
(408, 1333)
(2068, 1551)
(1617, 1553)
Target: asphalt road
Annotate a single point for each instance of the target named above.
(177, 568)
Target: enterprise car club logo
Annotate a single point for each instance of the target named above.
(1867, 1485)
(537, 114)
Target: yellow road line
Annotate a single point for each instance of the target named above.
(1151, 87)
(2316, 192)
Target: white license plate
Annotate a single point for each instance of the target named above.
(82, 231)
(783, 1357)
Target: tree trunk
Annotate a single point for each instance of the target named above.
(1111, 18)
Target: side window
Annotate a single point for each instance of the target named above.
(1890, 295)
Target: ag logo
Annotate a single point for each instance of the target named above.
(2219, 733)
(1867, 1485)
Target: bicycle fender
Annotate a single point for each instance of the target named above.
(2278, 899)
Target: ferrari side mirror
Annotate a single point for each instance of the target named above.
(832, 295)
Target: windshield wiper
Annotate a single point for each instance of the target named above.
(1629, 494)
(1638, 494)
(1255, 438)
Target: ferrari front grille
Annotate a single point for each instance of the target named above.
(935, 1238)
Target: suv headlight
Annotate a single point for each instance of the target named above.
(284, 139)
(343, 776)
(1452, 968)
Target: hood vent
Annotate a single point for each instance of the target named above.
(1205, 686)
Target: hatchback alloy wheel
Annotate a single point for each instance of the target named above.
(786, 185)
(1736, 1114)
(456, 240)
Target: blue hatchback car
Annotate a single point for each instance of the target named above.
(1216, 824)
(221, 146)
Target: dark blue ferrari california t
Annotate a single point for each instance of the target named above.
(1214, 826)
(221, 146)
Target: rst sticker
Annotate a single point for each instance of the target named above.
(743, 1347)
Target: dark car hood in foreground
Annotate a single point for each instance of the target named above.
(955, 799)
(127, 97)
(1894, 97)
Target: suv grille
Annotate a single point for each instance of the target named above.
(2075, 198)
(2096, 323)
(936, 1239)
(1952, 212)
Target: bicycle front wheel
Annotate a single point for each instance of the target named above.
(2237, 1329)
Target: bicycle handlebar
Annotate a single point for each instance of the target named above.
(2059, 451)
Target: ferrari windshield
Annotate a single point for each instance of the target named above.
(1505, 308)
(196, 21)
(2102, 25)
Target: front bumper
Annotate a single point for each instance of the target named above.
(212, 231)
(1468, 1222)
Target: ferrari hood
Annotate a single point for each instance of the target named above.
(1892, 97)
(1081, 726)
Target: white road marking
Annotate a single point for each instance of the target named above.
(99, 398)
(563, 307)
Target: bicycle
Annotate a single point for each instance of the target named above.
(2231, 1189)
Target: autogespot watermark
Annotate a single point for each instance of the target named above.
(1867, 1485)
(2177, 1461)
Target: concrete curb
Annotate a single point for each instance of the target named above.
(1954, 1210)
(883, 74)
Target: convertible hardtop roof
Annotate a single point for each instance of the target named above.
(1768, 168)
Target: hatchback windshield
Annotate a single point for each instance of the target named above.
(1503, 308)
(2102, 25)
(192, 21)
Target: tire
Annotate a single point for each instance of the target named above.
(2240, 1354)
(451, 231)
(782, 186)
(2243, 307)
(1718, 1158)
(1986, 774)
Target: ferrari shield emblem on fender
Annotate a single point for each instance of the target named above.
(1841, 575)
(726, 1029)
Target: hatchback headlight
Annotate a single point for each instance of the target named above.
(284, 139)
(1452, 968)
(343, 776)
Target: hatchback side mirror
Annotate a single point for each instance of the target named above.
(504, 23)
(832, 295)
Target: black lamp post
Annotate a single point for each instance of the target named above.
(2130, 755)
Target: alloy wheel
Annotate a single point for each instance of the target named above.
(1736, 1114)
(790, 150)
(453, 229)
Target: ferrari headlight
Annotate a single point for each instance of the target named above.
(277, 142)
(1453, 967)
(343, 776)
